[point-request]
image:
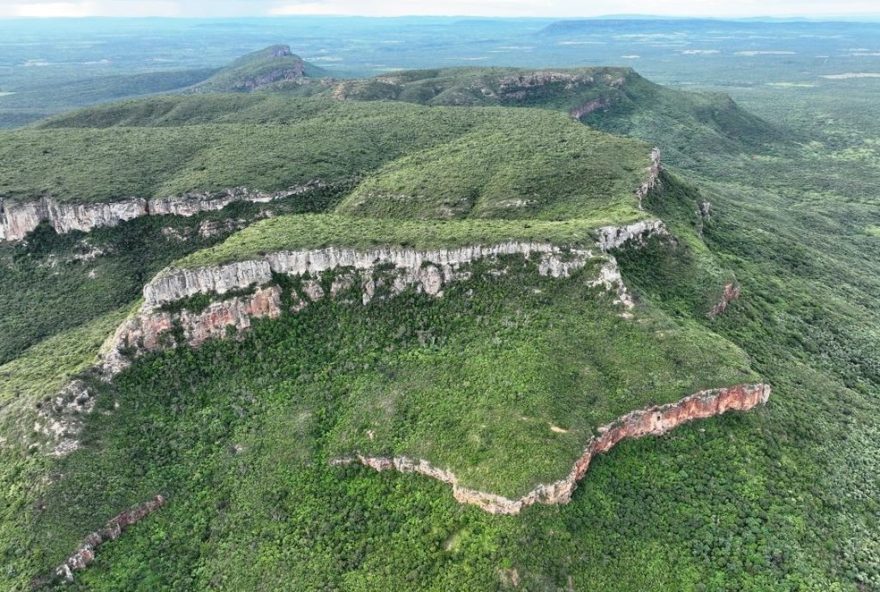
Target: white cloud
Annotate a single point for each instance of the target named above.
(543, 8)
(86, 8)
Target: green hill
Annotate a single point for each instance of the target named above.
(499, 375)
(686, 125)
(272, 68)
(169, 145)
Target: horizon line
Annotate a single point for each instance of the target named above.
(856, 17)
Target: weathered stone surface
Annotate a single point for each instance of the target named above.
(114, 528)
(182, 283)
(731, 292)
(61, 417)
(653, 180)
(652, 421)
(614, 237)
(17, 219)
(426, 270)
(149, 330)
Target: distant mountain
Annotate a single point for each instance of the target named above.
(274, 67)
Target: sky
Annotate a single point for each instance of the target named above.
(510, 8)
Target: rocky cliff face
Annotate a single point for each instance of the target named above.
(373, 273)
(151, 329)
(615, 237)
(17, 219)
(85, 554)
(652, 421)
(426, 270)
(245, 291)
(653, 180)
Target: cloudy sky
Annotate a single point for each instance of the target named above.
(545, 8)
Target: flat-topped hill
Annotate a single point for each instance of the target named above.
(487, 162)
(618, 100)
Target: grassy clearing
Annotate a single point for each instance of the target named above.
(43, 369)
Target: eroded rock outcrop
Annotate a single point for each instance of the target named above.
(175, 284)
(652, 421)
(85, 554)
(61, 417)
(652, 182)
(17, 218)
(589, 107)
(615, 237)
(730, 293)
(151, 329)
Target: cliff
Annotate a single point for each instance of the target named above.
(247, 290)
(85, 554)
(652, 421)
(17, 219)
(374, 273)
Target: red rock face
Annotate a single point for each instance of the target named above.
(644, 422)
(238, 312)
(731, 293)
(111, 531)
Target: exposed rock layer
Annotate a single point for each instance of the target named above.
(637, 424)
(373, 273)
(85, 554)
(175, 284)
(17, 219)
(731, 292)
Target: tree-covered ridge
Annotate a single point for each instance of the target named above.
(686, 125)
(275, 143)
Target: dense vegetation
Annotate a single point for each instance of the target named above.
(238, 433)
(689, 126)
(279, 142)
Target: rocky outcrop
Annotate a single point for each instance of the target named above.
(652, 421)
(85, 554)
(17, 219)
(652, 182)
(61, 417)
(614, 237)
(422, 269)
(589, 107)
(151, 329)
(730, 293)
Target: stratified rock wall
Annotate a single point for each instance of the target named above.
(17, 219)
(85, 554)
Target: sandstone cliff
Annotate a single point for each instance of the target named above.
(652, 421)
(246, 290)
(17, 219)
(85, 554)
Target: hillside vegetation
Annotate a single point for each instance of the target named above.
(168, 146)
(502, 379)
(687, 126)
